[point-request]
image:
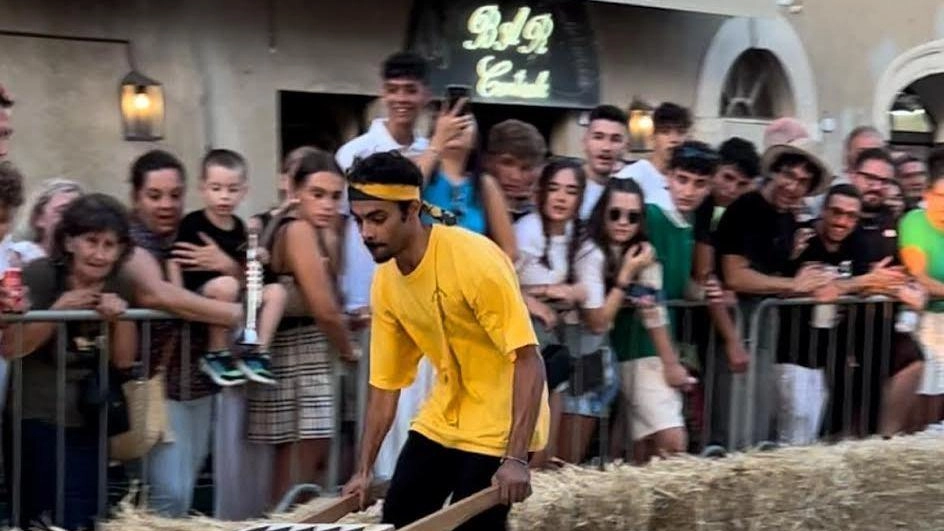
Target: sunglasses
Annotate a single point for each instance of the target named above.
(632, 216)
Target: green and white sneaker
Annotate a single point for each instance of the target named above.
(256, 367)
(221, 367)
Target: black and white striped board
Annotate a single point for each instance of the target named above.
(320, 527)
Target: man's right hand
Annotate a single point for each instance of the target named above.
(810, 278)
(886, 279)
(359, 485)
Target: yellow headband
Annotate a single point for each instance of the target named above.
(388, 192)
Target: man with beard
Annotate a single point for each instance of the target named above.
(899, 368)
(488, 407)
(671, 124)
(604, 144)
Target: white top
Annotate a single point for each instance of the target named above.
(28, 251)
(358, 271)
(591, 194)
(6, 246)
(529, 233)
(654, 184)
(588, 269)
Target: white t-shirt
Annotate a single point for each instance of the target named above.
(654, 184)
(28, 251)
(359, 265)
(529, 233)
(591, 194)
(588, 269)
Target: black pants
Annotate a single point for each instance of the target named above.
(38, 486)
(427, 473)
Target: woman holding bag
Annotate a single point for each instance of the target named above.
(88, 249)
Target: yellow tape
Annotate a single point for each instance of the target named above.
(389, 192)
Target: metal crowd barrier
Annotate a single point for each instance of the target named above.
(13, 411)
(739, 411)
(846, 349)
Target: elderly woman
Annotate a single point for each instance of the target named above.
(88, 247)
(41, 214)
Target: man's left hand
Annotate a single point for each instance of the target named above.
(514, 482)
(206, 257)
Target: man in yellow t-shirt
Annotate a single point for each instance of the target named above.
(451, 295)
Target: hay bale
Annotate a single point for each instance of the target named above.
(869, 485)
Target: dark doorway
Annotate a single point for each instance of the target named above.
(319, 119)
(544, 118)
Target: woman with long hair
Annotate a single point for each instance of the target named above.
(296, 415)
(458, 185)
(547, 243)
(612, 254)
(88, 248)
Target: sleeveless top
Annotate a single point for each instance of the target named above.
(296, 311)
(461, 199)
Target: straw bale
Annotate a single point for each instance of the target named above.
(871, 485)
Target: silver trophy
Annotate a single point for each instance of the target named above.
(250, 337)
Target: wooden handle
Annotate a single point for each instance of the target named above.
(333, 512)
(344, 505)
(458, 513)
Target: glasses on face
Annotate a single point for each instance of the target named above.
(837, 212)
(633, 217)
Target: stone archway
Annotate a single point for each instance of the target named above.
(734, 38)
(917, 63)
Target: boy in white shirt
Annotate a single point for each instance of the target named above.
(671, 126)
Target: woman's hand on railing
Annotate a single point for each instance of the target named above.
(111, 306)
(78, 299)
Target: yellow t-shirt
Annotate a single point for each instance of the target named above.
(484, 320)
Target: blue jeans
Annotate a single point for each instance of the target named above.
(173, 466)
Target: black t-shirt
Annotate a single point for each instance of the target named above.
(877, 237)
(798, 342)
(751, 227)
(705, 225)
(232, 242)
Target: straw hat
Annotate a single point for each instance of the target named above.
(805, 147)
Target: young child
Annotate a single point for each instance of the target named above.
(222, 186)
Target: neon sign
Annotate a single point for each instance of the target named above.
(526, 35)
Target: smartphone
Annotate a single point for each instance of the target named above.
(454, 93)
(638, 291)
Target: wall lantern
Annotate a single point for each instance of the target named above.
(640, 126)
(142, 107)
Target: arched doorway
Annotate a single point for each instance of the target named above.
(755, 70)
(914, 80)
